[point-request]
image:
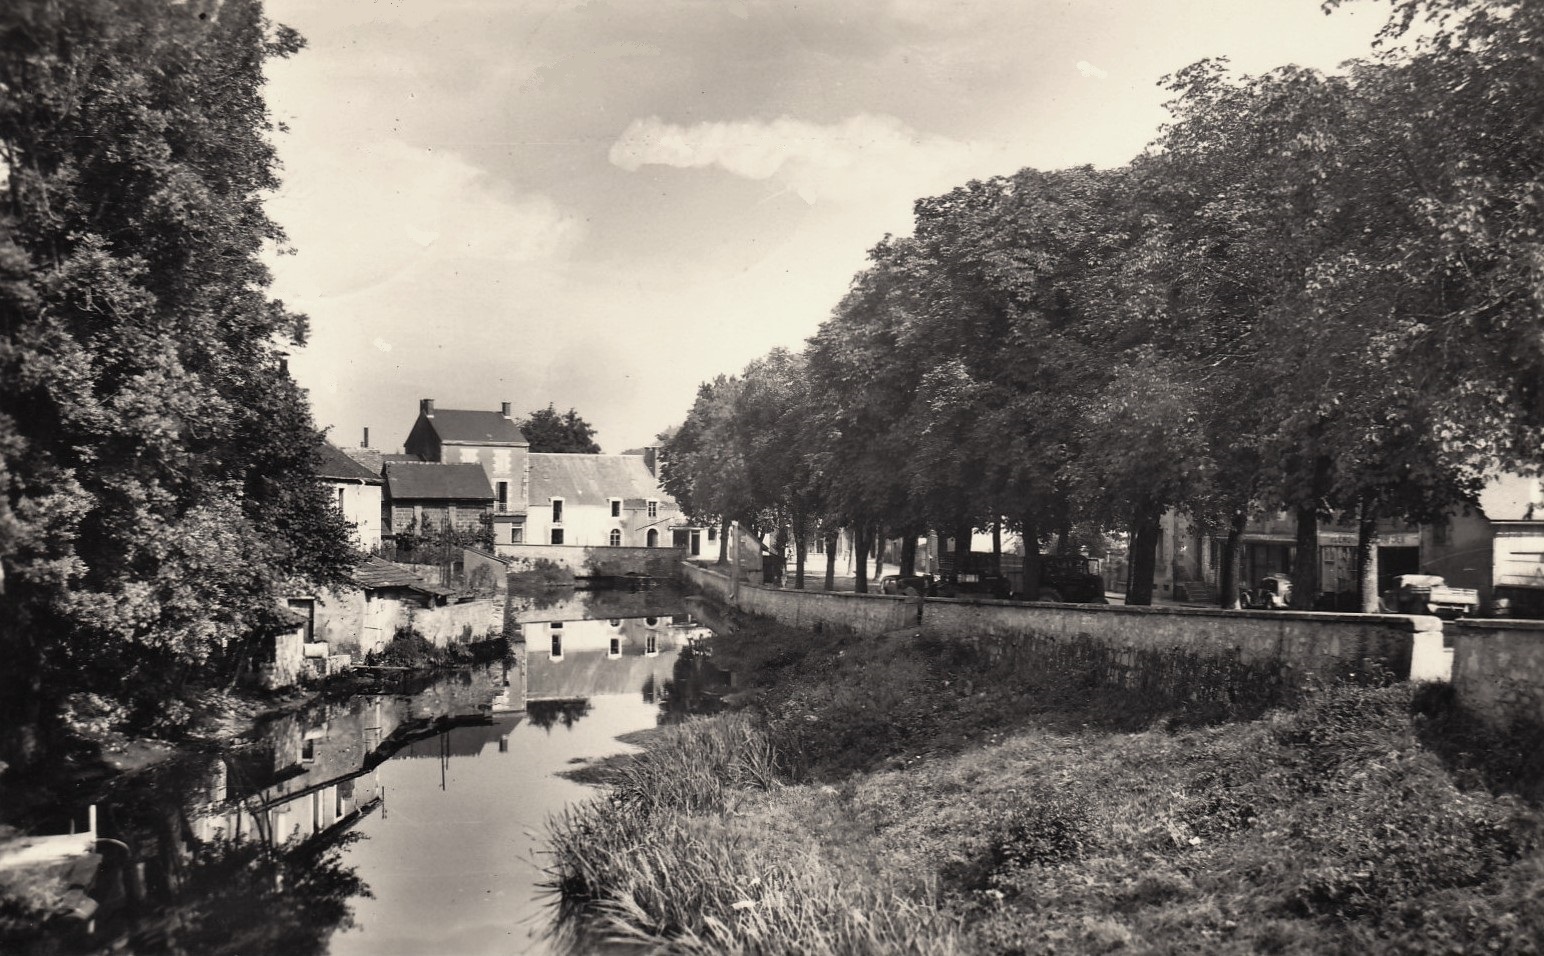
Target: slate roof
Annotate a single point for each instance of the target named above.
(370, 458)
(424, 480)
(459, 426)
(375, 572)
(593, 479)
(337, 466)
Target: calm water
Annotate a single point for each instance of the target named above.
(419, 811)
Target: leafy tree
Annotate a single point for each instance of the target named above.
(158, 457)
(549, 431)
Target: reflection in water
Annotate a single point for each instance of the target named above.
(406, 820)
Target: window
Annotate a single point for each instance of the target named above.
(503, 496)
(1440, 532)
(616, 537)
(557, 645)
(616, 648)
(340, 497)
(516, 536)
(713, 536)
(557, 535)
(653, 537)
(308, 750)
(651, 645)
(653, 509)
(616, 507)
(557, 511)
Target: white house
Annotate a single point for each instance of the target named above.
(356, 491)
(603, 501)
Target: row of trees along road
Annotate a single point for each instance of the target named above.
(1313, 292)
(156, 456)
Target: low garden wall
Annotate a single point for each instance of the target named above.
(1185, 652)
(1498, 671)
(583, 561)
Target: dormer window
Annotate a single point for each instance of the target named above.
(557, 510)
(616, 507)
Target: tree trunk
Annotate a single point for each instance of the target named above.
(1232, 553)
(1305, 563)
(1367, 557)
(908, 553)
(1031, 534)
(879, 552)
(997, 546)
(1144, 554)
(1064, 538)
(832, 539)
(723, 541)
(801, 550)
(860, 546)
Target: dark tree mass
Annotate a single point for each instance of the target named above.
(550, 431)
(1315, 293)
(155, 453)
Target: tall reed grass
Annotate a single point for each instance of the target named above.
(663, 859)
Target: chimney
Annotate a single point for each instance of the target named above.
(365, 441)
(651, 459)
(426, 407)
(504, 408)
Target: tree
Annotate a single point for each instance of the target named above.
(158, 458)
(549, 431)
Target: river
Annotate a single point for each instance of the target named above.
(404, 821)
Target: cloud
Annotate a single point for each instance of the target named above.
(861, 156)
(1088, 69)
(364, 213)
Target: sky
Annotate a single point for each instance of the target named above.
(601, 204)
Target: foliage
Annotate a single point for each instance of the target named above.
(157, 456)
(1314, 292)
(549, 431)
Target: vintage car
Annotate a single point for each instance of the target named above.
(1273, 594)
(902, 584)
(1429, 594)
(1069, 578)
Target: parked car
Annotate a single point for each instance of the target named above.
(1069, 578)
(900, 584)
(1429, 594)
(1273, 594)
(954, 585)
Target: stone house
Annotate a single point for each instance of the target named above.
(1497, 547)
(603, 501)
(491, 440)
(357, 492)
(428, 496)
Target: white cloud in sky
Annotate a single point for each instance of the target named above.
(859, 157)
(364, 213)
(1089, 70)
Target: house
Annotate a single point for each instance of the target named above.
(428, 496)
(357, 492)
(603, 501)
(1496, 548)
(490, 439)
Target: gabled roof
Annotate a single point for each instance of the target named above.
(373, 572)
(592, 479)
(460, 427)
(436, 481)
(337, 466)
(371, 459)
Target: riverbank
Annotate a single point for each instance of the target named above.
(891, 795)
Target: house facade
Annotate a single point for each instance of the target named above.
(356, 491)
(490, 440)
(603, 501)
(1496, 548)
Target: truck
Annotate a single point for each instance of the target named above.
(1429, 594)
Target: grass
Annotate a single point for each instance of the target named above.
(881, 795)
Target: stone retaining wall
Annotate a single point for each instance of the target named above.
(1167, 649)
(1498, 671)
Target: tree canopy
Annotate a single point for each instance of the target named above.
(549, 430)
(1313, 292)
(158, 458)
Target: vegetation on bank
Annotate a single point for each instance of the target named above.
(882, 795)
